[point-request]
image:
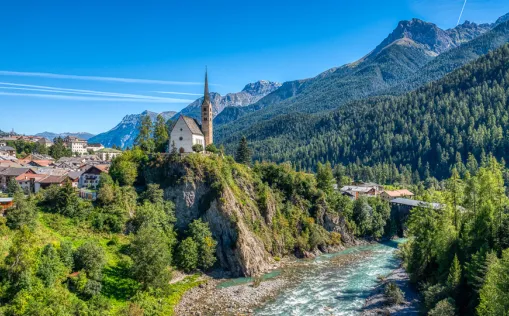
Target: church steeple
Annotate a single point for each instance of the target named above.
(206, 93)
(206, 114)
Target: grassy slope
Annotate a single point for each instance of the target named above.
(118, 286)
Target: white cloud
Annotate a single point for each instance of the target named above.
(119, 96)
(94, 78)
(95, 98)
(181, 93)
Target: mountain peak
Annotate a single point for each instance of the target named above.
(261, 87)
(502, 19)
(430, 37)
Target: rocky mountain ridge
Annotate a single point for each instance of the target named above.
(51, 136)
(251, 93)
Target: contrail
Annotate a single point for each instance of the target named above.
(462, 9)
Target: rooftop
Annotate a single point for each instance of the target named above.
(395, 193)
(415, 203)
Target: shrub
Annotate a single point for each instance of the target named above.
(187, 255)
(90, 257)
(212, 148)
(393, 294)
(197, 148)
(444, 308)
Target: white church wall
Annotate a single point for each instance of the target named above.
(184, 138)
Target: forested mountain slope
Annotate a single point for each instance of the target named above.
(401, 55)
(430, 128)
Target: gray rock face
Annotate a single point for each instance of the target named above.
(430, 37)
(251, 93)
(239, 250)
(125, 132)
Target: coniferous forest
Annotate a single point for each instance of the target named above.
(428, 130)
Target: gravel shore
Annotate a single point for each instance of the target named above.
(207, 299)
(377, 303)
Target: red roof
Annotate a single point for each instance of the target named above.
(396, 193)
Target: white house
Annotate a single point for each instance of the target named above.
(76, 145)
(45, 142)
(185, 133)
(91, 177)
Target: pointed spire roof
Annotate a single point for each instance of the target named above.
(206, 96)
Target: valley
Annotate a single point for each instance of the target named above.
(377, 187)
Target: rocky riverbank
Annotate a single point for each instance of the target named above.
(378, 304)
(244, 298)
(208, 299)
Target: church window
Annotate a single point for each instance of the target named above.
(181, 130)
(181, 138)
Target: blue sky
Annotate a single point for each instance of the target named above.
(83, 65)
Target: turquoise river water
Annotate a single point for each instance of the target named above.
(334, 284)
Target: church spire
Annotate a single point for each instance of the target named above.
(206, 114)
(206, 93)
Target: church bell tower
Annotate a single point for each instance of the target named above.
(206, 114)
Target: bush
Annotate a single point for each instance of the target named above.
(444, 308)
(393, 294)
(199, 231)
(24, 212)
(434, 294)
(187, 255)
(197, 148)
(212, 148)
(90, 257)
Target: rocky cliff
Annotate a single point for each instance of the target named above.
(253, 216)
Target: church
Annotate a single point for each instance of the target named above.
(187, 132)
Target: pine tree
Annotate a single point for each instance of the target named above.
(325, 178)
(160, 134)
(243, 154)
(454, 278)
(144, 139)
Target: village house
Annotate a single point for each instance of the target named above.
(3, 143)
(6, 174)
(92, 175)
(37, 160)
(47, 181)
(391, 195)
(45, 142)
(27, 181)
(74, 176)
(186, 132)
(108, 154)
(76, 145)
(7, 151)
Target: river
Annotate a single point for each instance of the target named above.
(334, 284)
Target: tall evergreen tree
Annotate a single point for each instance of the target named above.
(144, 139)
(160, 134)
(243, 154)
